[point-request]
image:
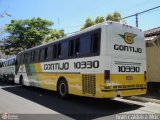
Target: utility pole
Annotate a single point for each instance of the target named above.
(136, 20)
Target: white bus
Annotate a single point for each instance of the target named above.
(103, 61)
(7, 69)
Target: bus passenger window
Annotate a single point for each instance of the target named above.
(25, 58)
(21, 58)
(77, 44)
(54, 53)
(85, 43)
(71, 48)
(95, 40)
(33, 55)
(39, 54)
(29, 57)
(46, 53)
(59, 51)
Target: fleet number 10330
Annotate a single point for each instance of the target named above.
(128, 69)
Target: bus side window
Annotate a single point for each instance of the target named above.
(28, 57)
(36, 55)
(46, 53)
(21, 58)
(11, 62)
(85, 43)
(25, 60)
(33, 56)
(14, 61)
(64, 49)
(95, 42)
(7, 62)
(54, 52)
(42, 54)
(39, 56)
(71, 48)
(59, 51)
(77, 44)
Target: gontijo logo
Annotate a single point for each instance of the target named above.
(128, 37)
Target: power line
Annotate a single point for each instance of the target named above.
(4, 13)
(136, 14)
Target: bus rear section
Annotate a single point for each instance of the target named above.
(125, 74)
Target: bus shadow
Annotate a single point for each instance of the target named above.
(3, 83)
(75, 107)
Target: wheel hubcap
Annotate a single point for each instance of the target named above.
(62, 89)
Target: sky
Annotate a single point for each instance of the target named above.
(70, 15)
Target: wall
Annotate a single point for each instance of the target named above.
(153, 60)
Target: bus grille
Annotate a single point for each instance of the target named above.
(89, 84)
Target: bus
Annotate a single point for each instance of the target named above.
(1, 63)
(7, 69)
(103, 61)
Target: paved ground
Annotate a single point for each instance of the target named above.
(15, 99)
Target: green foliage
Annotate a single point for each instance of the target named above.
(24, 34)
(116, 16)
(99, 19)
(89, 22)
(54, 35)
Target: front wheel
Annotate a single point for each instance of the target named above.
(62, 88)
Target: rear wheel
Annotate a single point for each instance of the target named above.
(62, 88)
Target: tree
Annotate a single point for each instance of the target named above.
(116, 16)
(24, 34)
(99, 19)
(54, 35)
(89, 22)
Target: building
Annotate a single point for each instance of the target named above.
(152, 38)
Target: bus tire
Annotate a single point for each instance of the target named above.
(21, 81)
(62, 88)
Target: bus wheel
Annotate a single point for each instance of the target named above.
(62, 88)
(21, 81)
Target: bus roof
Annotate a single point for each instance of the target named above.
(80, 32)
(14, 57)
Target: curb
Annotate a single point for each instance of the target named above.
(144, 99)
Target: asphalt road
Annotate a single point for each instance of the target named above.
(38, 104)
